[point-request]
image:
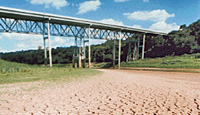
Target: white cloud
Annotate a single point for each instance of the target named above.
(69, 42)
(145, 0)
(112, 21)
(24, 41)
(7, 51)
(89, 6)
(3, 50)
(18, 36)
(27, 41)
(155, 15)
(59, 40)
(137, 26)
(97, 41)
(164, 27)
(30, 43)
(62, 42)
(121, 0)
(22, 45)
(54, 3)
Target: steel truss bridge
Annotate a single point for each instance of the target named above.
(29, 22)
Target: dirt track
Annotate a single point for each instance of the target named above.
(114, 92)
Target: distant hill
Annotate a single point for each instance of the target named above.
(184, 41)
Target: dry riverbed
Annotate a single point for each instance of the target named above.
(114, 92)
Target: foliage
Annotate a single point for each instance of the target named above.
(59, 56)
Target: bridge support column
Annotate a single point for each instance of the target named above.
(114, 54)
(45, 50)
(138, 49)
(49, 40)
(84, 57)
(143, 46)
(89, 58)
(79, 53)
(119, 60)
(73, 60)
(75, 53)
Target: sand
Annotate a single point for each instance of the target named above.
(114, 92)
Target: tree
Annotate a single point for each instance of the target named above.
(182, 27)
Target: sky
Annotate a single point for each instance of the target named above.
(159, 15)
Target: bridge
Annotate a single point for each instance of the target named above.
(29, 22)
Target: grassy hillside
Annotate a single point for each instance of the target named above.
(183, 61)
(188, 61)
(11, 72)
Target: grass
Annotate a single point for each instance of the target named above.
(188, 61)
(11, 72)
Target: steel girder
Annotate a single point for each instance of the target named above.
(36, 27)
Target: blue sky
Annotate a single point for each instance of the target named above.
(159, 15)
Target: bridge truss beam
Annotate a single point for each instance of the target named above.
(36, 27)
